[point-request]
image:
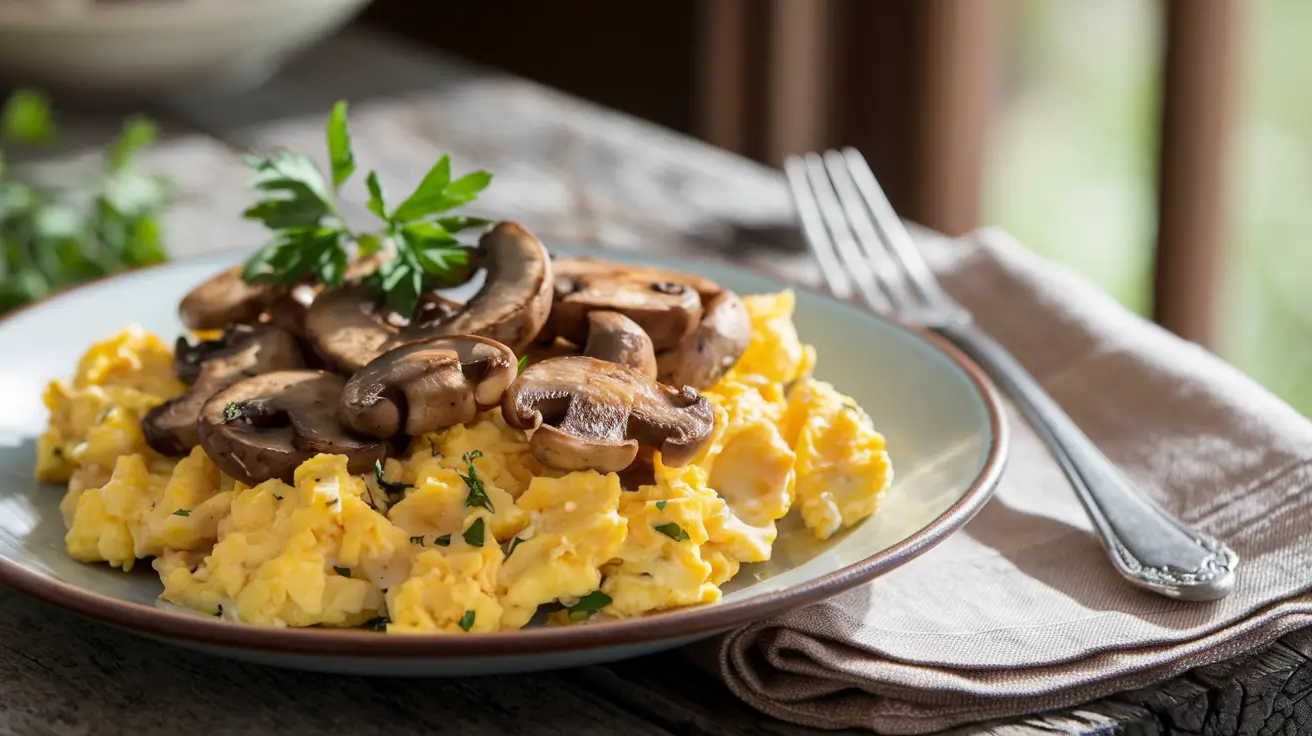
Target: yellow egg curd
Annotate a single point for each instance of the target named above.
(466, 531)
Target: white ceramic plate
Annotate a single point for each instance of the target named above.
(942, 420)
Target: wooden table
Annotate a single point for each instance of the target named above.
(573, 173)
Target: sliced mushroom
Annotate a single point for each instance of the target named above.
(427, 386)
(590, 413)
(243, 351)
(698, 328)
(618, 339)
(266, 426)
(349, 328)
(666, 304)
(712, 349)
(221, 301)
(226, 299)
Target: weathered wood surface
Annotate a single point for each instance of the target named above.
(574, 173)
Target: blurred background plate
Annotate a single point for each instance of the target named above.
(138, 47)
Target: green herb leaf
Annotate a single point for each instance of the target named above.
(26, 118)
(276, 497)
(419, 540)
(588, 605)
(231, 412)
(391, 488)
(673, 531)
(511, 545)
(523, 363)
(369, 244)
(378, 623)
(459, 222)
(442, 541)
(377, 202)
(660, 505)
(477, 493)
(467, 620)
(343, 571)
(290, 175)
(339, 145)
(182, 512)
(474, 534)
(139, 132)
(219, 613)
(427, 195)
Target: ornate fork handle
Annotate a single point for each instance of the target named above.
(1150, 547)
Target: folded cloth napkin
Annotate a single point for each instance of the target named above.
(1021, 611)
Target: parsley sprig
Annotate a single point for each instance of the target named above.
(477, 497)
(55, 236)
(311, 241)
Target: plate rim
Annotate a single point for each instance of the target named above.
(707, 620)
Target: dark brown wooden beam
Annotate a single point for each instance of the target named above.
(1201, 74)
(955, 68)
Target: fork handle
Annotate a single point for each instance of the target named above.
(1149, 546)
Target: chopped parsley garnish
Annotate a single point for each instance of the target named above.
(277, 497)
(332, 502)
(474, 534)
(58, 451)
(523, 362)
(511, 545)
(588, 605)
(442, 541)
(104, 414)
(660, 505)
(433, 447)
(477, 494)
(419, 540)
(343, 571)
(673, 531)
(467, 620)
(391, 488)
(231, 412)
(182, 512)
(219, 613)
(378, 623)
(311, 240)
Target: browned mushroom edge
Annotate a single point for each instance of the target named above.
(265, 426)
(697, 328)
(427, 386)
(348, 327)
(243, 351)
(618, 339)
(587, 413)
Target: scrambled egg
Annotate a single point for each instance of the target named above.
(466, 531)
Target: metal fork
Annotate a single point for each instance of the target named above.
(859, 241)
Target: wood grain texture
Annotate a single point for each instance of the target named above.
(574, 173)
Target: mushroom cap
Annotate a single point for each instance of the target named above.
(590, 413)
(349, 329)
(243, 351)
(265, 426)
(666, 304)
(712, 349)
(618, 339)
(222, 300)
(426, 386)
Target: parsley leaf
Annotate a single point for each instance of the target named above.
(26, 118)
(477, 494)
(231, 412)
(442, 541)
(391, 488)
(588, 605)
(467, 620)
(343, 571)
(511, 545)
(673, 531)
(377, 203)
(660, 505)
(523, 362)
(378, 623)
(419, 540)
(340, 156)
(474, 534)
(138, 133)
(182, 512)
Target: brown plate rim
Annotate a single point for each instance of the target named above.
(681, 624)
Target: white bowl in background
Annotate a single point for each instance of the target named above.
(154, 46)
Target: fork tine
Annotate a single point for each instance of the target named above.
(809, 212)
(894, 232)
(855, 265)
(885, 269)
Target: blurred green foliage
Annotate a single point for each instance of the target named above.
(52, 237)
(1073, 167)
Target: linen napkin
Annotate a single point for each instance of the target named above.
(1021, 611)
